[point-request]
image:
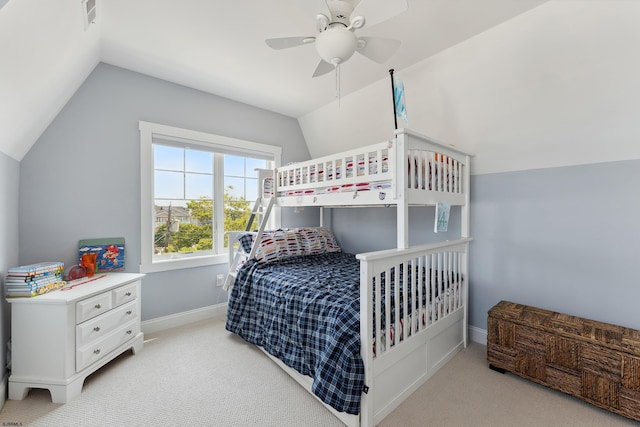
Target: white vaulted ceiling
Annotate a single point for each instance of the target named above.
(211, 45)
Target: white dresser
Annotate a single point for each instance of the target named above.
(59, 338)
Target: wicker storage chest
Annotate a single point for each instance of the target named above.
(594, 361)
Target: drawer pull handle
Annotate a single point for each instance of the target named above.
(128, 294)
(96, 351)
(98, 306)
(97, 329)
(129, 312)
(129, 332)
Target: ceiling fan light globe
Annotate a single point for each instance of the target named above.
(336, 45)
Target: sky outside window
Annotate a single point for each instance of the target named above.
(187, 174)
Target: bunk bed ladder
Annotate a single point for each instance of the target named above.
(261, 211)
(256, 211)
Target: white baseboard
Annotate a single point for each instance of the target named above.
(478, 335)
(166, 322)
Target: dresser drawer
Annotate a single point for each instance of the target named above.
(92, 307)
(125, 294)
(100, 326)
(96, 350)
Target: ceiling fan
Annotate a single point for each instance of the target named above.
(336, 23)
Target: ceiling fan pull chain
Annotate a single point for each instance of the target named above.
(338, 83)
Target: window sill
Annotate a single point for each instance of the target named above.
(181, 263)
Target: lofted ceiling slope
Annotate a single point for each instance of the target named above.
(213, 46)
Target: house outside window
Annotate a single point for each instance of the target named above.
(195, 187)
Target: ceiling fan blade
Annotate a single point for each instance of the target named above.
(323, 68)
(377, 49)
(287, 42)
(377, 11)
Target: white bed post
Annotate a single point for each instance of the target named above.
(466, 182)
(366, 344)
(465, 232)
(402, 208)
(263, 174)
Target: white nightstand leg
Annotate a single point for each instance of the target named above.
(59, 393)
(63, 394)
(138, 344)
(18, 391)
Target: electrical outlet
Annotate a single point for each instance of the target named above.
(220, 280)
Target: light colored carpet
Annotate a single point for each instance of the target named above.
(200, 375)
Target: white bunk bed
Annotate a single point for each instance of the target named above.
(411, 170)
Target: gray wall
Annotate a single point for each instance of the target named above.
(9, 173)
(365, 230)
(560, 238)
(82, 178)
(564, 239)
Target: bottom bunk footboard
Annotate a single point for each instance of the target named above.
(413, 319)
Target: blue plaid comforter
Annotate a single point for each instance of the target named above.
(308, 317)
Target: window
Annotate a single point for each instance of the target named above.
(194, 187)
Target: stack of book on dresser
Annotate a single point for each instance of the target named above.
(34, 279)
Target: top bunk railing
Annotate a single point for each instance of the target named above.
(349, 167)
(377, 175)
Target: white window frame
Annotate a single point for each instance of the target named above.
(150, 130)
